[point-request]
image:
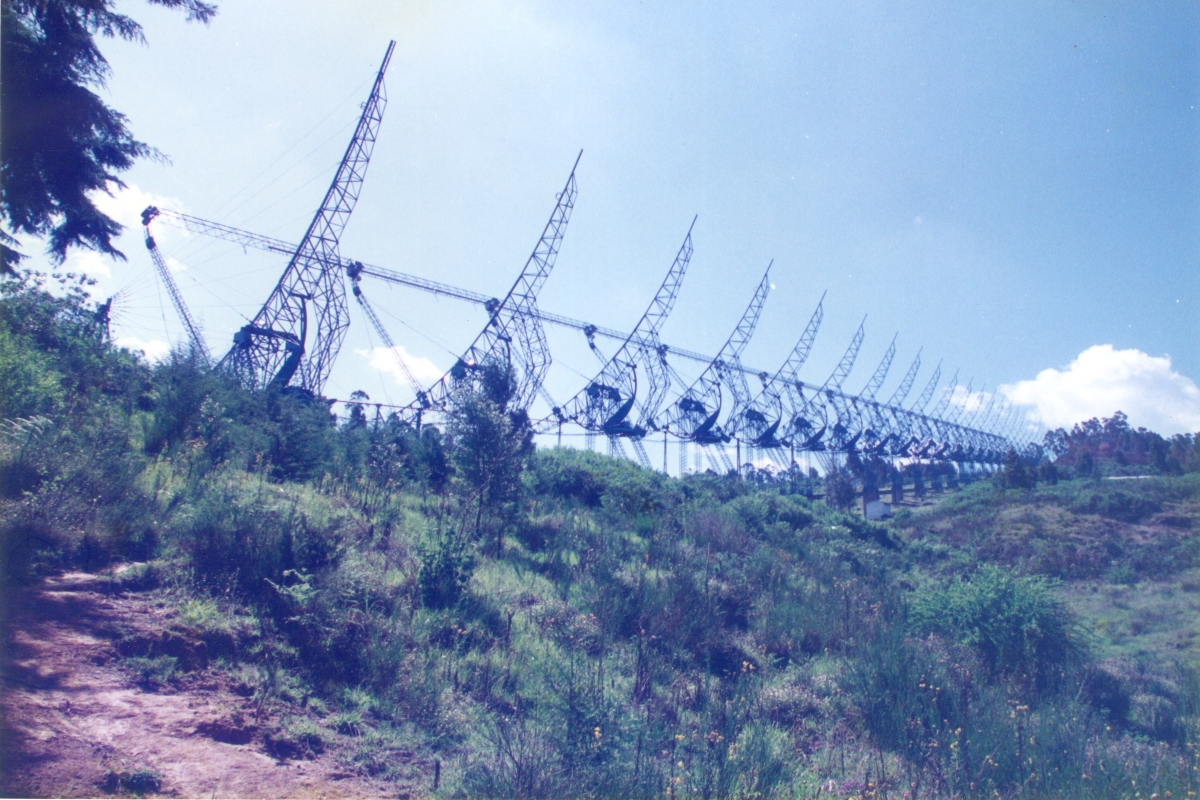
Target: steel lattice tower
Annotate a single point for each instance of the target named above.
(510, 357)
(274, 348)
(760, 422)
(694, 416)
(605, 405)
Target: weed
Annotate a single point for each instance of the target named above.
(348, 723)
(295, 737)
(202, 615)
(151, 673)
(137, 782)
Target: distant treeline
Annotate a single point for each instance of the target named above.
(1112, 444)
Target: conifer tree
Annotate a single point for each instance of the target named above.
(59, 141)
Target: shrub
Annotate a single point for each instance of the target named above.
(238, 530)
(29, 384)
(1018, 625)
(295, 737)
(445, 571)
(302, 432)
(839, 491)
(348, 723)
(1016, 474)
(1119, 505)
(152, 672)
(137, 782)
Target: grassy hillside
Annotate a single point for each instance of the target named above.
(558, 623)
(1127, 553)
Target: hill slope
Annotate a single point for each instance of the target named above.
(558, 623)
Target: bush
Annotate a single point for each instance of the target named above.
(295, 737)
(302, 433)
(137, 782)
(839, 491)
(67, 454)
(1018, 625)
(445, 571)
(1016, 474)
(1120, 506)
(236, 530)
(152, 673)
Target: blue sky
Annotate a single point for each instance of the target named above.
(1005, 185)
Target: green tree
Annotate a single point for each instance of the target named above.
(489, 450)
(358, 416)
(839, 490)
(302, 437)
(1085, 466)
(58, 140)
(1016, 474)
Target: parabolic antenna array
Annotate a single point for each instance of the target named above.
(291, 345)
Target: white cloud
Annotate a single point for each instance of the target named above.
(153, 349)
(88, 262)
(1102, 381)
(126, 205)
(385, 360)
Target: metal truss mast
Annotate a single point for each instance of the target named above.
(607, 404)
(694, 416)
(194, 337)
(274, 349)
(510, 357)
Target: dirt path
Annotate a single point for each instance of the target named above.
(72, 719)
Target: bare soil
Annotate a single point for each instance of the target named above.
(77, 725)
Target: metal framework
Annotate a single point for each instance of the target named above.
(811, 424)
(942, 404)
(608, 402)
(803, 411)
(695, 415)
(906, 384)
(510, 357)
(876, 430)
(625, 400)
(274, 348)
(880, 375)
(354, 273)
(193, 330)
(759, 423)
(270, 245)
(927, 393)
